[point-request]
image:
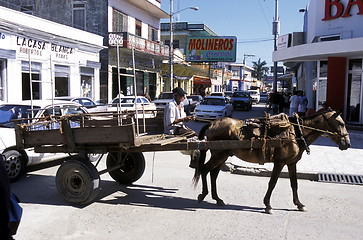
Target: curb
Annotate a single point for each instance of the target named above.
(262, 172)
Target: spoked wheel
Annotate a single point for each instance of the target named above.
(132, 166)
(78, 181)
(14, 164)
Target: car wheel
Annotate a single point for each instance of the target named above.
(14, 164)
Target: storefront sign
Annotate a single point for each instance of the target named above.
(211, 49)
(336, 9)
(42, 49)
(284, 41)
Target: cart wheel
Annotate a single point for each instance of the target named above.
(78, 181)
(132, 168)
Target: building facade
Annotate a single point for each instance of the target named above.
(329, 64)
(40, 59)
(135, 21)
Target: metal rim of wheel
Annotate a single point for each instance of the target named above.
(14, 164)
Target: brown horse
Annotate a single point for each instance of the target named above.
(305, 131)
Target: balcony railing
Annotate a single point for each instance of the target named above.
(128, 40)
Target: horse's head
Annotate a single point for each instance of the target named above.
(336, 127)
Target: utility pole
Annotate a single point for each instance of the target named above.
(171, 53)
(275, 32)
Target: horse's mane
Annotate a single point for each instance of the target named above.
(311, 117)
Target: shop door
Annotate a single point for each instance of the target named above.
(354, 93)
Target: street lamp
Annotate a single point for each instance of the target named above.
(171, 14)
(244, 65)
(275, 32)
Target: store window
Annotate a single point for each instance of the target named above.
(138, 27)
(87, 79)
(119, 23)
(79, 15)
(354, 92)
(2, 80)
(61, 77)
(30, 79)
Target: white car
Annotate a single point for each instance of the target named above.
(163, 99)
(143, 105)
(85, 102)
(255, 95)
(213, 107)
(15, 161)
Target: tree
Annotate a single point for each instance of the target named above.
(259, 69)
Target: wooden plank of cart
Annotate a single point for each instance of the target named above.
(119, 136)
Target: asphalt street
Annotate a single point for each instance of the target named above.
(163, 205)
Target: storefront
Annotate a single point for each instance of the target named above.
(52, 56)
(331, 60)
(139, 61)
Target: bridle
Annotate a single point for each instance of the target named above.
(300, 126)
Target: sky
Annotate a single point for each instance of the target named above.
(249, 20)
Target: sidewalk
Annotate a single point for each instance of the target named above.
(325, 157)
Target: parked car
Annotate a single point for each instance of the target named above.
(228, 94)
(191, 102)
(264, 97)
(255, 94)
(220, 94)
(163, 99)
(241, 100)
(213, 107)
(16, 160)
(86, 102)
(128, 104)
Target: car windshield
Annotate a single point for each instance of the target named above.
(213, 101)
(229, 94)
(241, 94)
(125, 102)
(166, 96)
(194, 98)
(10, 112)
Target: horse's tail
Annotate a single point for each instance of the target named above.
(202, 156)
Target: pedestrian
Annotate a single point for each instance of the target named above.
(281, 103)
(275, 100)
(294, 104)
(174, 119)
(4, 203)
(325, 107)
(303, 104)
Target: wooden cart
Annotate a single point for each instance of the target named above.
(77, 179)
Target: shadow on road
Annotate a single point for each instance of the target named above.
(41, 189)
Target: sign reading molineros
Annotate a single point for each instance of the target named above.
(211, 49)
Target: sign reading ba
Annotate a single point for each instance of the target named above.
(211, 49)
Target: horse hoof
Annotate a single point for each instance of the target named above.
(302, 209)
(268, 210)
(200, 197)
(221, 203)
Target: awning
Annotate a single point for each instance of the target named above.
(182, 70)
(201, 80)
(349, 48)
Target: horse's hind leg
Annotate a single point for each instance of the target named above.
(271, 185)
(293, 183)
(213, 176)
(204, 185)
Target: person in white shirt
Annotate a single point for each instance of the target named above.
(294, 104)
(303, 104)
(174, 114)
(174, 118)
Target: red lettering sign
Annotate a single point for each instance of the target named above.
(335, 9)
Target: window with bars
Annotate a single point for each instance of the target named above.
(119, 23)
(79, 15)
(153, 34)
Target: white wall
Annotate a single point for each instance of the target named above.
(348, 27)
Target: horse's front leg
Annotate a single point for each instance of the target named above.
(271, 185)
(293, 183)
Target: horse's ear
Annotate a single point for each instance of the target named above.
(335, 115)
